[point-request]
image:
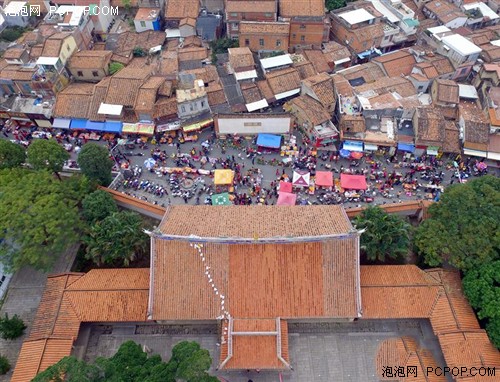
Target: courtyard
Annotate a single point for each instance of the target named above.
(340, 352)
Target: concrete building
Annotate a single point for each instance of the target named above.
(264, 36)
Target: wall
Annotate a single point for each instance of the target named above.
(270, 42)
(198, 105)
(87, 75)
(276, 125)
(308, 32)
(456, 23)
(148, 26)
(67, 49)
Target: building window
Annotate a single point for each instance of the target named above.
(278, 42)
(234, 26)
(202, 104)
(68, 48)
(261, 42)
(143, 24)
(183, 109)
(302, 38)
(95, 74)
(463, 71)
(247, 42)
(268, 14)
(294, 36)
(302, 26)
(234, 15)
(191, 108)
(243, 16)
(420, 88)
(79, 73)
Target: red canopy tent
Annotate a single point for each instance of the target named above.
(286, 199)
(353, 182)
(324, 179)
(285, 187)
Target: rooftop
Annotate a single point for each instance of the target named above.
(292, 8)
(147, 14)
(264, 6)
(179, 9)
(356, 16)
(447, 91)
(396, 63)
(90, 59)
(251, 27)
(460, 44)
(241, 59)
(312, 110)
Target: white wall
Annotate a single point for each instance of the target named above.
(457, 23)
(278, 125)
(139, 28)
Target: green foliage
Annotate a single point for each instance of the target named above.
(139, 52)
(131, 364)
(95, 163)
(11, 155)
(38, 217)
(115, 67)
(117, 239)
(385, 235)
(46, 154)
(464, 226)
(126, 4)
(11, 328)
(335, 4)
(11, 34)
(482, 288)
(221, 46)
(493, 330)
(4, 365)
(97, 206)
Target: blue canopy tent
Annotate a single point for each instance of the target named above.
(269, 141)
(112, 127)
(94, 126)
(406, 147)
(78, 124)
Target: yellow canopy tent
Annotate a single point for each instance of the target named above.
(223, 177)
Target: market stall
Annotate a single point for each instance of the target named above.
(353, 182)
(286, 199)
(324, 179)
(285, 187)
(221, 199)
(301, 178)
(223, 177)
(269, 141)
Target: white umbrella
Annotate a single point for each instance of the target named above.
(149, 163)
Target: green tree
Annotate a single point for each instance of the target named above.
(131, 364)
(463, 228)
(335, 4)
(38, 219)
(139, 52)
(95, 163)
(221, 46)
(115, 67)
(11, 328)
(4, 365)
(192, 361)
(97, 206)
(385, 236)
(482, 288)
(48, 155)
(11, 155)
(493, 330)
(117, 239)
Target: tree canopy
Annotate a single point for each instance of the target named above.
(385, 236)
(39, 217)
(95, 163)
(463, 228)
(97, 206)
(189, 363)
(335, 4)
(11, 155)
(44, 154)
(118, 239)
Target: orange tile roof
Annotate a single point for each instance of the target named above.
(322, 86)
(179, 9)
(284, 80)
(253, 6)
(241, 59)
(447, 91)
(396, 63)
(305, 69)
(264, 28)
(74, 101)
(90, 59)
(318, 59)
(291, 8)
(101, 295)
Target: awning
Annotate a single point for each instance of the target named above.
(129, 128)
(353, 182)
(197, 125)
(370, 147)
(342, 61)
(493, 155)
(113, 127)
(269, 140)
(287, 94)
(145, 128)
(256, 105)
(324, 179)
(475, 153)
(432, 150)
(78, 124)
(223, 177)
(249, 74)
(286, 199)
(406, 147)
(221, 199)
(171, 126)
(61, 123)
(285, 187)
(94, 126)
(353, 146)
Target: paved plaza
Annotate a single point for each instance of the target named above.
(340, 352)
